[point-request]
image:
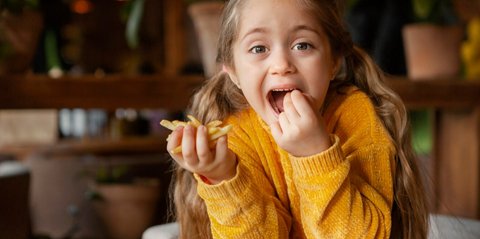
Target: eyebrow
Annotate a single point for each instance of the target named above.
(306, 28)
(254, 30)
(296, 29)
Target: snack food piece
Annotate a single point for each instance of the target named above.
(214, 130)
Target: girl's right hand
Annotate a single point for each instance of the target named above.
(300, 130)
(216, 165)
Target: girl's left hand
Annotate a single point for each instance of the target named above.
(299, 129)
(215, 165)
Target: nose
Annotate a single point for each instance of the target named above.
(281, 63)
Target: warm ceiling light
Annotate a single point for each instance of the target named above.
(81, 6)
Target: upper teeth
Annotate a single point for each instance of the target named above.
(291, 89)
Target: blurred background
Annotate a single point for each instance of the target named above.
(85, 83)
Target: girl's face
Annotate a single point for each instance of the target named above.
(280, 47)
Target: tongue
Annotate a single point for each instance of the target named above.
(278, 99)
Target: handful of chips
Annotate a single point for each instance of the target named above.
(214, 131)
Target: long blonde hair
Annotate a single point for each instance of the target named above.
(219, 98)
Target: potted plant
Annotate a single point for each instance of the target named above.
(432, 42)
(205, 15)
(126, 204)
(471, 49)
(469, 11)
(20, 28)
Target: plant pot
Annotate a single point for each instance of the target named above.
(19, 34)
(126, 210)
(206, 21)
(432, 52)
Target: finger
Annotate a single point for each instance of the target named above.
(174, 139)
(289, 108)
(301, 103)
(283, 121)
(221, 149)
(276, 130)
(188, 146)
(203, 149)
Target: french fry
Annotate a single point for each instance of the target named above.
(214, 131)
(194, 121)
(167, 124)
(214, 123)
(223, 131)
(179, 123)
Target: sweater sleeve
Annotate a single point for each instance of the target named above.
(240, 207)
(336, 202)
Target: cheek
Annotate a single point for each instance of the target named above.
(320, 92)
(251, 93)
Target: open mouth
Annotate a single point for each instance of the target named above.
(276, 96)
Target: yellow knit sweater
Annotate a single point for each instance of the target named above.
(343, 192)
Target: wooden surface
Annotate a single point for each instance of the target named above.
(457, 162)
(123, 146)
(174, 92)
(447, 93)
(98, 147)
(110, 92)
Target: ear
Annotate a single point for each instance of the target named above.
(232, 75)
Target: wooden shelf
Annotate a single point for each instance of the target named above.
(441, 93)
(122, 146)
(99, 147)
(174, 92)
(109, 92)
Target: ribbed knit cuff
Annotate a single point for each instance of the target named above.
(323, 162)
(234, 187)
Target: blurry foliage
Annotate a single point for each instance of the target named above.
(17, 6)
(471, 49)
(440, 12)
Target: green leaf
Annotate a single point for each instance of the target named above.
(93, 195)
(423, 8)
(51, 50)
(351, 3)
(133, 23)
(422, 135)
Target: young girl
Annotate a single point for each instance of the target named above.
(319, 145)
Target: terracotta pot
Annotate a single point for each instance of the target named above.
(431, 51)
(20, 33)
(206, 20)
(127, 210)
